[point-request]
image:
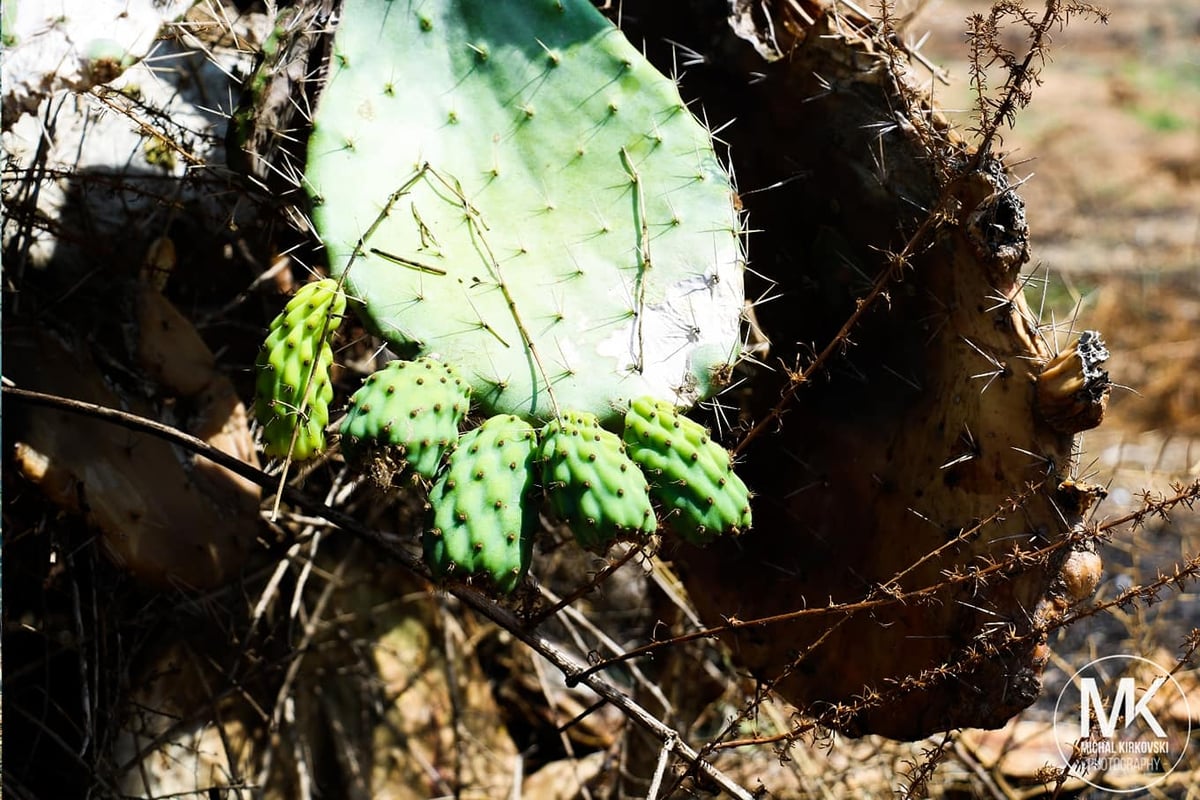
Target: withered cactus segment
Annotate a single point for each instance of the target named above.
(1078, 576)
(1073, 389)
(1076, 499)
(921, 453)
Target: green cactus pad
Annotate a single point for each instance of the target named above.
(297, 345)
(688, 472)
(412, 406)
(553, 215)
(483, 524)
(591, 483)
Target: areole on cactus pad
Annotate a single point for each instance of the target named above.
(519, 193)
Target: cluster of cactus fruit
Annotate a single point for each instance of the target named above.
(486, 481)
(532, 215)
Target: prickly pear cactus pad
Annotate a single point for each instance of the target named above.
(592, 483)
(412, 406)
(483, 524)
(534, 202)
(297, 346)
(689, 472)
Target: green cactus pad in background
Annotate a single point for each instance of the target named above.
(483, 524)
(534, 202)
(689, 472)
(412, 406)
(297, 346)
(591, 483)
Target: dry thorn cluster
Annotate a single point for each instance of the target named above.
(1021, 71)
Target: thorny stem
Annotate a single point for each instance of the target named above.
(1185, 495)
(643, 226)
(984, 647)
(973, 655)
(881, 596)
(1020, 76)
(571, 668)
(889, 588)
(918, 779)
(104, 94)
(764, 690)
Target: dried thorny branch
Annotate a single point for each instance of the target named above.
(1022, 71)
(918, 779)
(881, 596)
(1157, 506)
(841, 342)
(989, 644)
(995, 642)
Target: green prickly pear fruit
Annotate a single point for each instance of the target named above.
(296, 355)
(592, 483)
(688, 472)
(522, 193)
(482, 523)
(412, 406)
